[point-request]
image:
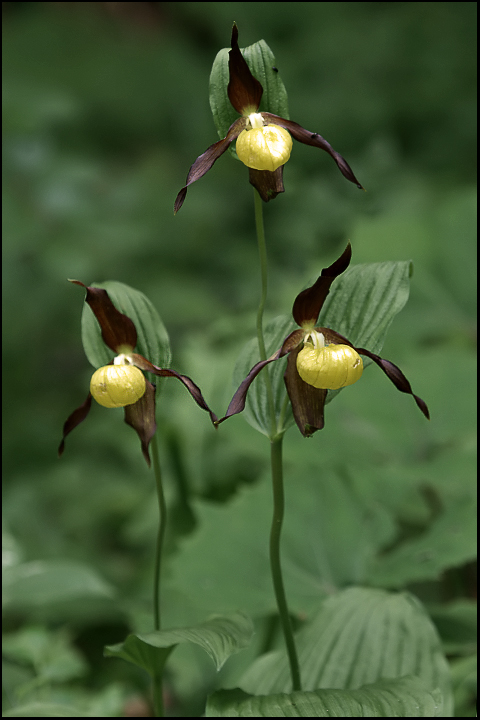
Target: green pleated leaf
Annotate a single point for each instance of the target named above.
(358, 637)
(364, 300)
(220, 637)
(361, 306)
(41, 582)
(224, 114)
(405, 697)
(261, 62)
(152, 342)
(257, 412)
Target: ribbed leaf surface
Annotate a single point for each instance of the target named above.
(406, 697)
(364, 300)
(359, 637)
(220, 637)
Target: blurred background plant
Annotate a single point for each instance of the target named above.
(105, 106)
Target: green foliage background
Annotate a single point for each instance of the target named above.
(104, 112)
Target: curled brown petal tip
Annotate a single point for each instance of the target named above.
(315, 140)
(397, 377)
(237, 403)
(192, 388)
(206, 160)
(75, 419)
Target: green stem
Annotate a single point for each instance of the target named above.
(161, 533)
(276, 439)
(278, 513)
(262, 252)
(157, 678)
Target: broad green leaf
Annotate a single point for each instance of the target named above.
(261, 62)
(465, 684)
(333, 530)
(42, 582)
(405, 697)
(358, 637)
(364, 300)
(220, 637)
(457, 624)
(361, 306)
(448, 542)
(152, 342)
(39, 709)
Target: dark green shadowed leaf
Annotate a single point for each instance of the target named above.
(405, 697)
(220, 637)
(449, 542)
(257, 411)
(261, 62)
(360, 636)
(152, 342)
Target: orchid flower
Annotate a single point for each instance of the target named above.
(122, 382)
(264, 140)
(319, 359)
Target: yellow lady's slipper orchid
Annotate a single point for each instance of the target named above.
(328, 367)
(117, 385)
(263, 147)
(122, 383)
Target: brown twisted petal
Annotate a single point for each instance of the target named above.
(75, 419)
(244, 91)
(308, 402)
(205, 161)
(118, 331)
(141, 417)
(397, 377)
(237, 403)
(309, 302)
(192, 388)
(315, 140)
